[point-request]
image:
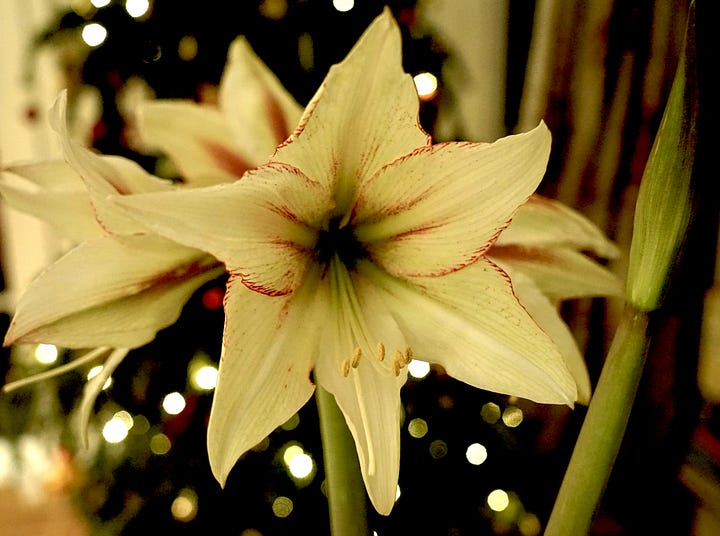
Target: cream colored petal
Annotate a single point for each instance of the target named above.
(547, 315)
(543, 222)
(364, 116)
(560, 273)
(260, 112)
(439, 208)
(264, 227)
(198, 139)
(114, 292)
(105, 176)
(269, 345)
(64, 204)
(369, 395)
(471, 323)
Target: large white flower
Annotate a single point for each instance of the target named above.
(214, 144)
(358, 246)
(121, 284)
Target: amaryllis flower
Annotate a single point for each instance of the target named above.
(122, 284)
(212, 144)
(359, 246)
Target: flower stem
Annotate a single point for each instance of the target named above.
(603, 429)
(345, 488)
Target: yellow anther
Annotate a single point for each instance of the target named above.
(356, 357)
(398, 362)
(408, 354)
(380, 352)
(345, 367)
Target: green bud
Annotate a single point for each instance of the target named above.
(664, 204)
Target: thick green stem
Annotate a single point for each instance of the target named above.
(603, 429)
(345, 487)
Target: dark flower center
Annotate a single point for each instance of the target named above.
(341, 242)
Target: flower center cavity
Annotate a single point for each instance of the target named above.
(340, 241)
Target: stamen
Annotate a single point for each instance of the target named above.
(380, 352)
(356, 357)
(345, 367)
(398, 362)
(408, 354)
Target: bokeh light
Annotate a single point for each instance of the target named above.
(184, 507)
(529, 525)
(160, 444)
(94, 34)
(46, 353)
(512, 416)
(115, 430)
(173, 403)
(490, 412)
(343, 5)
(426, 85)
(476, 454)
(137, 8)
(301, 466)
(292, 423)
(282, 506)
(417, 427)
(418, 369)
(498, 500)
(299, 463)
(438, 449)
(94, 372)
(206, 377)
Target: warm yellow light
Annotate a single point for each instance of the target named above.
(140, 425)
(187, 48)
(46, 353)
(160, 444)
(418, 369)
(290, 452)
(173, 403)
(291, 423)
(94, 372)
(100, 3)
(184, 507)
(529, 525)
(512, 416)
(426, 85)
(343, 5)
(115, 430)
(282, 506)
(94, 34)
(125, 418)
(490, 412)
(206, 377)
(476, 454)
(301, 465)
(438, 449)
(137, 8)
(417, 427)
(498, 500)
